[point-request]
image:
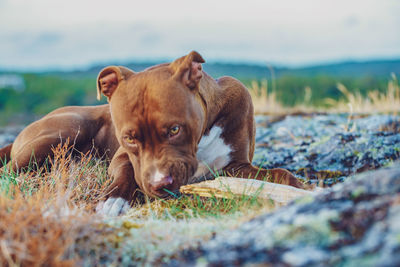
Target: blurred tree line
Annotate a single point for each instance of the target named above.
(45, 92)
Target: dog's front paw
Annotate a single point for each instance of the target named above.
(113, 207)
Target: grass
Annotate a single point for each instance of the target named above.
(194, 206)
(43, 213)
(352, 101)
(47, 218)
(375, 101)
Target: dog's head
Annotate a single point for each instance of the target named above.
(158, 120)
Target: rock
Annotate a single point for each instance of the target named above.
(8, 134)
(353, 223)
(328, 148)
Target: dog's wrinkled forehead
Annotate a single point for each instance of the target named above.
(167, 89)
(150, 95)
(155, 90)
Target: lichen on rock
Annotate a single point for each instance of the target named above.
(338, 227)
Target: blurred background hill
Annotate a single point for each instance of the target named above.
(25, 96)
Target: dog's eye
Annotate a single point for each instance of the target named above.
(131, 143)
(129, 139)
(174, 130)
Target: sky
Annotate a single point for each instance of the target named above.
(46, 34)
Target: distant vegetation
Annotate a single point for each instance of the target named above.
(43, 92)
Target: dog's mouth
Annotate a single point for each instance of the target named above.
(164, 181)
(168, 191)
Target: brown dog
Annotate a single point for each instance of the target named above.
(176, 124)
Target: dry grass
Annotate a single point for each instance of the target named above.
(36, 232)
(375, 101)
(42, 214)
(265, 101)
(47, 218)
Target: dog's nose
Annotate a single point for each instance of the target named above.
(162, 183)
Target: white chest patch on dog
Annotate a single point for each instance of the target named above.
(212, 154)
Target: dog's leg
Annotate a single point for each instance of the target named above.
(123, 190)
(280, 176)
(239, 133)
(5, 154)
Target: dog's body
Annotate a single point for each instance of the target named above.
(173, 124)
(84, 128)
(176, 124)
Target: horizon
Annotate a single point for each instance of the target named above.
(55, 35)
(151, 62)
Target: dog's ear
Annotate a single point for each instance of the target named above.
(110, 78)
(188, 69)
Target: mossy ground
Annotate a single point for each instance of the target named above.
(47, 217)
